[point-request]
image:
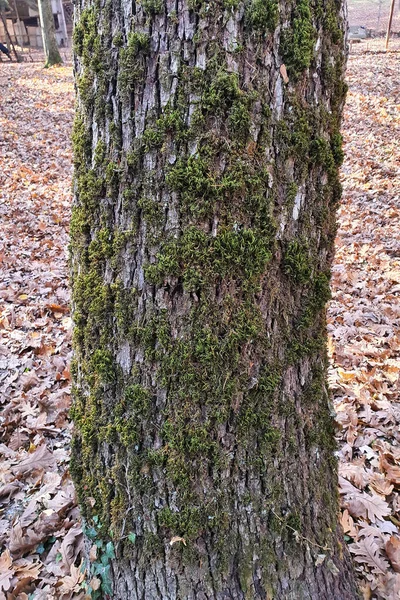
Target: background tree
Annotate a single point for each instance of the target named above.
(4, 8)
(207, 143)
(50, 46)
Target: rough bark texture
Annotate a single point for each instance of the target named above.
(51, 51)
(207, 144)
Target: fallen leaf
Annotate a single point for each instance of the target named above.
(176, 539)
(393, 551)
(367, 551)
(72, 582)
(6, 572)
(283, 72)
(39, 460)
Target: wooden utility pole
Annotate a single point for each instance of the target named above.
(390, 24)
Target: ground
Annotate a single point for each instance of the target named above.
(40, 531)
(373, 14)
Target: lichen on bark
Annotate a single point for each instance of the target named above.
(202, 235)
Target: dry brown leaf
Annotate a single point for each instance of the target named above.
(29, 380)
(72, 582)
(18, 439)
(367, 551)
(392, 471)
(355, 473)
(366, 591)
(40, 460)
(176, 539)
(346, 487)
(27, 568)
(371, 506)
(371, 531)
(20, 542)
(95, 583)
(389, 586)
(71, 546)
(6, 571)
(377, 508)
(380, 484)
(283, 72)
(93, 553)
(348, 524)
(392, 548)
(9, 490)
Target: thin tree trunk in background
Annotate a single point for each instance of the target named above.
(17, 58)
(390, 24)
(50, 46)
(207, 144)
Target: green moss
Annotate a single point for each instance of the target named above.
(262, 16)
(82, 144)
(152, 211)
(294, 134)
(321, 433)
(130, 414)
(132, 160)
(224, 90)
(90, 189)
(297, 41)
(230, 4)
(297, 264)
(87, 41)
(337, 148)
(240, 119)
(84, 35)
(84, 84)
(138, 399)
(170, 123)
(188, 440)
(102, 366)
(290, 195)
(317, 298)
(185, 523)
(118, 39)
(321, 154)
(299, 346)
(332, 74)
(100, 153)
(256, 412)
(201, 185)
(101, 247)
(93, 303)
(293, 521)
(131, 62)
(192, 177)
(332, 23)
(201, 259)
(152, 7)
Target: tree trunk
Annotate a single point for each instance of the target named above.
(207, 142)
(8, 36)
(51, 51)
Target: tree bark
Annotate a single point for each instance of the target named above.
(10, 42)
(207, 144)
(50, 46)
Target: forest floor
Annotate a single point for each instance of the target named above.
(40, 532)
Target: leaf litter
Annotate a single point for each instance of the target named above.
(40, 532)
(41, 554)
(363, 323)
